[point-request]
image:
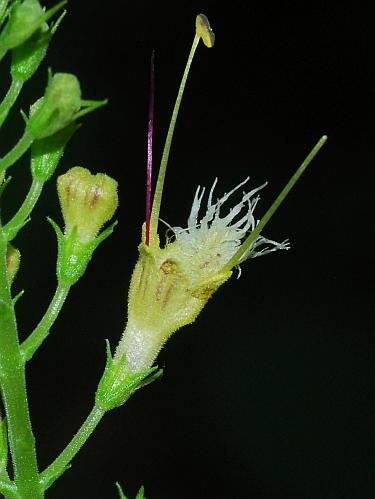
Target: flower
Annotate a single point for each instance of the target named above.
(171, 285)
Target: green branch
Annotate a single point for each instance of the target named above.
(9, 489)
(9, 99)
(18, 150)
(40, 333)
(20, 218)
(62, 462)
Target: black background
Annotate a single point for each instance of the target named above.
(270, 394)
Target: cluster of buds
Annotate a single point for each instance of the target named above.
(27, 35)
(57, 111)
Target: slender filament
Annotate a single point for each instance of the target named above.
(280, 198)
(164, 160)
(149, 147)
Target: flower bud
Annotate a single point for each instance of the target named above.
(59, 106)
(87, 201)
(13, 262)
(25, 18)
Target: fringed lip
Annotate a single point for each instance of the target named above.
(221, 231)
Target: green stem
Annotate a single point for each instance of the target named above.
(168, 141)
(40, 333)
(25, 209)
(13, 388)
(59, 465)
(18, 150)
(3, 51)
(9, 489)
(9, 99)
(280, 198)
(3, 10)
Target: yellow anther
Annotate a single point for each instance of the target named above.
(204, 30)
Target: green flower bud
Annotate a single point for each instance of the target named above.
(59, 107)
(118, 383)
(25, 18)
(13, 262)
(87, 201)
(26, 58)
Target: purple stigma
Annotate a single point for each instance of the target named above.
(149, 148)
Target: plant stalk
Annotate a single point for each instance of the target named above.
(18, 150)
(40, 333)
(25, 209)
(9, 99)
(13, 389)
(62, 462)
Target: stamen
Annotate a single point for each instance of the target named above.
(203, 30)
(247, 244)
(149, 147)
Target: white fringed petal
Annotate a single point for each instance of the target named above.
(219, 233)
